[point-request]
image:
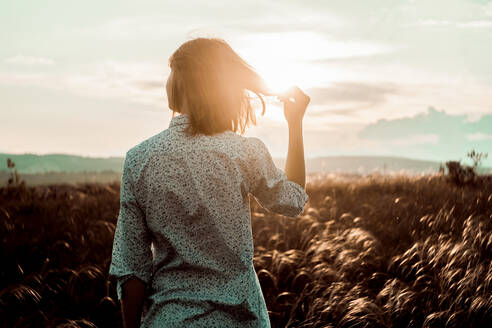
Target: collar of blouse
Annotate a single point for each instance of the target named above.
(181, 119)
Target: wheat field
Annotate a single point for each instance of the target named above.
(371, 251)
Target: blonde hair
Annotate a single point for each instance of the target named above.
(214, 78)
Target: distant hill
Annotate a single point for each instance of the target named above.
(70, 168)
(367, 164)
(31, 163)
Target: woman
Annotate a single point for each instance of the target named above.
(183, 249)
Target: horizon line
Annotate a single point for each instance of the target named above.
(278, 158)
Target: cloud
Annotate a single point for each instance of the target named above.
(338, 111)
(150, 84)
(26, 79)
(24, 60)
(446, 23)
(433, 121)
(479, 136)
(137, 82)
(431, 22)
(477, 24)
(418, 139)
(128, 28)
(372, 93)
(488, 9)
(310, 47)
(140, 82)
(172, 22)
(347, 98)
(278, 26)
(433, 134)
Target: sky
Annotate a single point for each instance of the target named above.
(386, 77)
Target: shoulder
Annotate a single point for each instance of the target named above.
(254, 149)
(256, 146)
(240, 142)
(142, 148)
(135, 155)
(135, 152)
(255, 143)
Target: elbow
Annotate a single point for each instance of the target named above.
(293, 207)
(296, 211)
(133, 287)
(289, 209)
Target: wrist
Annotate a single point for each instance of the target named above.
(295, 124)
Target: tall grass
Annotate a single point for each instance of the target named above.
(370, 252)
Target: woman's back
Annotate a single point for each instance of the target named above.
(188, 196)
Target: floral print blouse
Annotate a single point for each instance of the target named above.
(184, 226)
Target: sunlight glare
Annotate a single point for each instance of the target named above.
(287, 59)
(276, 60)
(292, 58)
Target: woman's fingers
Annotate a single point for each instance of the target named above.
(296, 93)
(299, 94)
(283, 98)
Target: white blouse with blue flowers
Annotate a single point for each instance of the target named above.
(184, 226)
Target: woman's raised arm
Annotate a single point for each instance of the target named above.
(294, 110)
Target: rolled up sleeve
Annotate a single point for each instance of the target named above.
(269, 184)
(131, 254)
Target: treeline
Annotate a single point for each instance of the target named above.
(37, 179)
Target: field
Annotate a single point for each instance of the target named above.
(374, 251)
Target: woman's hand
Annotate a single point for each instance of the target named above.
(294, 109)
(132, 302)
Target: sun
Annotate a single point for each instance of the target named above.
(279, 75)
(278, 79)
(287, 59)
(282, 60)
